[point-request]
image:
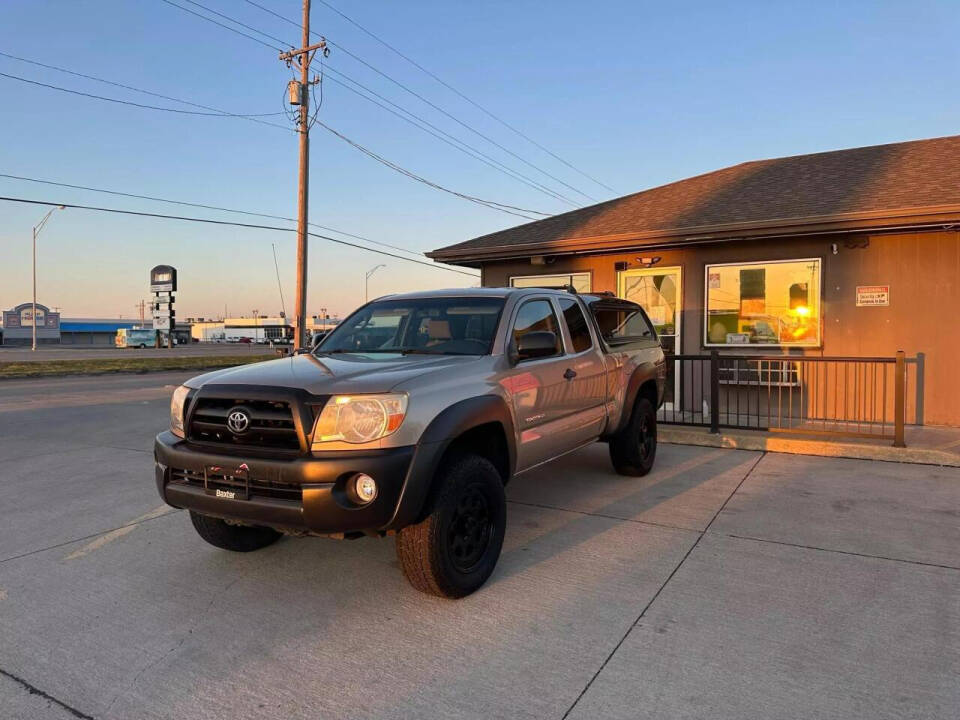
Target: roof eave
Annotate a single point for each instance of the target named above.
(847, 222)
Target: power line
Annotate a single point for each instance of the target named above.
(430, 103)
(210, 221)
(509, 209)
(128, 102)
(356, 145)
(461, 95)
(225, 27)
(237, 22)
(460, 122)
(127, 87)
(203, 206)
(371, 154)
(442, 135)
(493, 205)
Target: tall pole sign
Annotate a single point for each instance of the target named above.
(163, 284)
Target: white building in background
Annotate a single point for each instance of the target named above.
(256, 329)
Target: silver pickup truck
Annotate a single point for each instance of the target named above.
(409, 419)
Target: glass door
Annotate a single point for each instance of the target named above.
(659, 291)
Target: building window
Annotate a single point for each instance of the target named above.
(763, 303)
(578, 281)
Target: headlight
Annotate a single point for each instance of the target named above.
(177, 403)
(360, 418)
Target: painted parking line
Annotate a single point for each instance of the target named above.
(109, 537)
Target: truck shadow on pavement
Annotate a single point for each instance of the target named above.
(686, 488)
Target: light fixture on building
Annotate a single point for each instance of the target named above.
(649, 261)
(542, 259)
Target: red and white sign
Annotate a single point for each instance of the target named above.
(873, 295)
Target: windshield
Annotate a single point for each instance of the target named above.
(435, 326)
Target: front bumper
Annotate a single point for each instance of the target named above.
(300, 494)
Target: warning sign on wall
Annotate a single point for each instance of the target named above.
(873, 295)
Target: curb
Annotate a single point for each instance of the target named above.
(797, 446)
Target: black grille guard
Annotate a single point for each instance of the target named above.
(304, 409)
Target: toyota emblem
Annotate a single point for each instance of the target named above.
(238, 420)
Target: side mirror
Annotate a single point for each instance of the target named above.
(541, 343)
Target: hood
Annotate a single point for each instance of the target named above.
(333, 374)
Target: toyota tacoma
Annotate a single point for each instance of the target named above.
(409, 419)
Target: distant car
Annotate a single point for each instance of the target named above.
(245, 340)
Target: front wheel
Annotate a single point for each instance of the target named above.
(454, 549)
(239, 538)
(633, 450)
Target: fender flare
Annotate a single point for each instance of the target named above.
(640, 376)
(439, 434)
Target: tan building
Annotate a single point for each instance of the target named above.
(846, 253)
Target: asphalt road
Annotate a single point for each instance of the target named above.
(727, 584)
(67, 352)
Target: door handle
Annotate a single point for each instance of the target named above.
(569, 374)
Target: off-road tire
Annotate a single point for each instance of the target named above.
(239, 538)
(453, 550)
(633, 450)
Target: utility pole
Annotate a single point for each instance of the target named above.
(300, 95)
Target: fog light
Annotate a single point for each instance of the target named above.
(364, 487)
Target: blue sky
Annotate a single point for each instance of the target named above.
(636, 94)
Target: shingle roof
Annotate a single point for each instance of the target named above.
(899, 180)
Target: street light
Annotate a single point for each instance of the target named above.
(366, 282)
(36, 231)
(256, 326)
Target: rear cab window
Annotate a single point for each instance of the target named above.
(622, 323)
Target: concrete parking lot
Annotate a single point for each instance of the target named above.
(727, 584)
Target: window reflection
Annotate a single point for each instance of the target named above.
(766, 303)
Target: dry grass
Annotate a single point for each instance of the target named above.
(47, 368)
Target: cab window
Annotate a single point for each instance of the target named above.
(576, 324)
(537, 316)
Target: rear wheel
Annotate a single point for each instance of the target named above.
(454, 549)
(633, 450)
(239, 538)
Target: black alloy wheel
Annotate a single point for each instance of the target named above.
(470, 529)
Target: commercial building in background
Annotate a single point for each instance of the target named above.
(255, 329)
(846, 253)
(17, 328)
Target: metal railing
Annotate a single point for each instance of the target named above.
(866, 397)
